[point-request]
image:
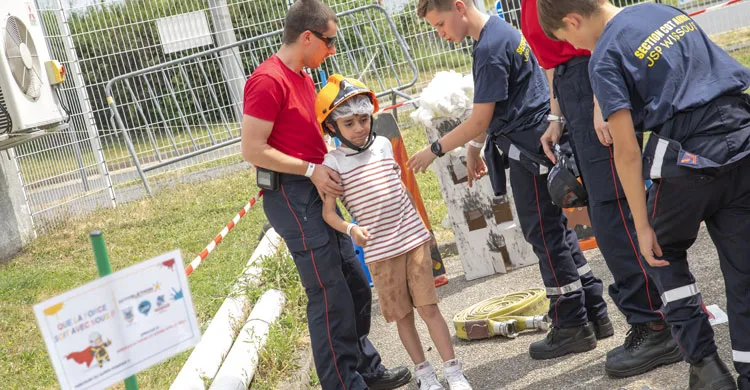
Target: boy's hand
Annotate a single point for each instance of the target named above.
(360, 235)
(550, 138)
(421, 160)
(602, 128)
(475, 165)
(650, 248)
(327, 181)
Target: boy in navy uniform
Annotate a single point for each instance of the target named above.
(654, 69)
(649, 342)
(511, 103)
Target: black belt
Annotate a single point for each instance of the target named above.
(560, 69)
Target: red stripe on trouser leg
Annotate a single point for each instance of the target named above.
(627, 230)
(320, 282)
(656, 199)
(544, 240)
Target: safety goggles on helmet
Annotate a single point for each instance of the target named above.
(338, 91)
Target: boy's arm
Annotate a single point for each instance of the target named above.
(359, 234)
(601, 127)
(555, 128)
(478, 122)
(629, 166)
(330, 216)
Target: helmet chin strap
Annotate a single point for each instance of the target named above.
(350, 145)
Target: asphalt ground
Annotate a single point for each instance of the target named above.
(502, 363)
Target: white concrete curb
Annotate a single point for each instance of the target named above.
(238, 368)
(206, 358)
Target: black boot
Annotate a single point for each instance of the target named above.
(391, 379)
(646, 347)
(562, 341)
(711, 374)
(602, 327)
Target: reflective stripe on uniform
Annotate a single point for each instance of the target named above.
(679, 293)
(741, 356)
(583, 270)
(661, 150)
(554, 291)
(514, 152)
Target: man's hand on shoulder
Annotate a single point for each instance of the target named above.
(327, 181)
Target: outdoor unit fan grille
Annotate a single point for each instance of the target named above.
(20, 51)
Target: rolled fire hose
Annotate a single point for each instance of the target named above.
(504, 315)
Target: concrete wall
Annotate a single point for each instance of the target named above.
(16, 228)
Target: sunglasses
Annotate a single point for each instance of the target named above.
(329, 41)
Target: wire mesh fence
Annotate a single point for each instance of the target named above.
(186, 107)
(195, 104)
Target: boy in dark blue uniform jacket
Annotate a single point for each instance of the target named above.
(654, 69)
(511, 104)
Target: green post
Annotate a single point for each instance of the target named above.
(102, 265)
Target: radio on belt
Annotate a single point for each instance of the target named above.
(267, 179)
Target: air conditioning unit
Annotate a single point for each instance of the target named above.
(28, 104)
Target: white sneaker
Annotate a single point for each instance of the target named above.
(455, 375)
(426, 377)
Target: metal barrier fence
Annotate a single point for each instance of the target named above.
(153, 107)
(89, 165)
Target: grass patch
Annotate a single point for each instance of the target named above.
(289, 332)
(185, 217)
(743, 56)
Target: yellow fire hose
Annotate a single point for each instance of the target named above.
(504, 315)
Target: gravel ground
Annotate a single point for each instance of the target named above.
(501, 363)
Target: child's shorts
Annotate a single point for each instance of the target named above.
(404, 282)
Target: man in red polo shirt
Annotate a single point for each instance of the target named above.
(648, 343)
(281, 136)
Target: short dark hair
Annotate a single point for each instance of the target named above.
(425, 6)
(552, 12)
(305, 15)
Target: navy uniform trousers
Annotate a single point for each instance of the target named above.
(339, 296)
(633, 291)
(575, 293)
(721, 198)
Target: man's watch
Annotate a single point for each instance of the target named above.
(555, 118)
(436, 149)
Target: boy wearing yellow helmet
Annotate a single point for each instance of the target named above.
(390, 230)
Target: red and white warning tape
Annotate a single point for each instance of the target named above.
(211, 245)
(713, 8)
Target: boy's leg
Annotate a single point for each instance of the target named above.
(677, 207)
(407, 332)
(389, 278)
(330, 308)
(424, 297)
(544, 226)
(596, 308)
(632, 291)
(730, 230)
